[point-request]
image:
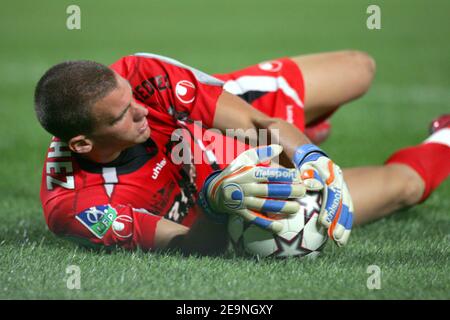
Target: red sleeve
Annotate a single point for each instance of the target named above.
(85, 214)
(171, 89)
(102, 224)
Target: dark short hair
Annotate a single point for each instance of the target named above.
(65, 94)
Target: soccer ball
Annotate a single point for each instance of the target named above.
(301, 236)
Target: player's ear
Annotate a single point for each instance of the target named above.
(80, 144)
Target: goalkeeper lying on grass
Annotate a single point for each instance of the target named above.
(113, 175)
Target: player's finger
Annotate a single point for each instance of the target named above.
(312, 179)
(280, 191)
(344, 223)
(334, 175)
(254, 156)
(346, 218)
(343, 237)
(264, 153)
(333, 203)
(333, 218)
(347, 198)
(269, 152)
(313, 185)
(261, 221)
(257, 155)
(271, 206)
(330, 212)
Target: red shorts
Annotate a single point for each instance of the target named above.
(276, 88)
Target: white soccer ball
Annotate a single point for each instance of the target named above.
(301, 236)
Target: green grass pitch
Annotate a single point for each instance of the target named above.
(411, 248)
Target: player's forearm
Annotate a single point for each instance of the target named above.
(255, 127)
(283, 133)
(204, 237)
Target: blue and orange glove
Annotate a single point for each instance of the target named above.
(252, 191)
(318, 172)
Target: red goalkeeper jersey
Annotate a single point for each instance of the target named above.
(120, 203)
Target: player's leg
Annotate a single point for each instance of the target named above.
(332, 79)
(278, 88)
(380, 190)
(409, 176)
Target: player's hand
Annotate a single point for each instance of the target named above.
(250, 191)
(318, 172)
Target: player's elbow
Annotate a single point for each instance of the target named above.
(204, 238)
(213, 247)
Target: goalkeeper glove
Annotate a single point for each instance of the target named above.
(320, 173)
(248, 190)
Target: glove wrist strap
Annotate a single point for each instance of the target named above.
(217, 217)
(307, 152)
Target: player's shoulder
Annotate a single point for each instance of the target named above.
(146, 62)
(146, 56)
(129, 63)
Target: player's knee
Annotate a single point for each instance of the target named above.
(412, 188)
(364, 62)
(364, 65)
(414, 191)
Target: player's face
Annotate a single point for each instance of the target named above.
(120, 120)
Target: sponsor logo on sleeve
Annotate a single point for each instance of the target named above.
(123, 226)
(272, 66)
(98, 219)
(185, 91)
